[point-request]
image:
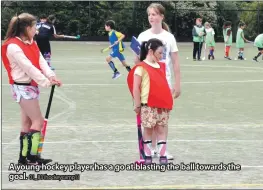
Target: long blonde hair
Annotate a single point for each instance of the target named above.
(18, 25)
(161, 11)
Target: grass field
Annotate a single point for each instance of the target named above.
(218, 118)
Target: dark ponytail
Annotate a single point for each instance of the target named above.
(144, 51)
(152, 44)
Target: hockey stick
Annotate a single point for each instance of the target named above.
(105, 49)
(204, 52)
(72, 37)
(44, 128)
(140, 141)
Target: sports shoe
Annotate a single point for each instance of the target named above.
(155, 154)
(255, 59)
(228, 58)
(116, 75)
(33, 160)
(163, 160)
(22, 160)
(37, 160)
(169, 156)
(148, 160)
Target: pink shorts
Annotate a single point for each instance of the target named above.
(26, 92)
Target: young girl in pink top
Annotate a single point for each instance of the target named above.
(26, 69)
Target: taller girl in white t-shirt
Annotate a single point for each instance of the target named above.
(160, 30)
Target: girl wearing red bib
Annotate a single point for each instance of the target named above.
(160, 30)
(26, 69)
(146, 80)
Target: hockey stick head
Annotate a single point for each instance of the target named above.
(104, 50)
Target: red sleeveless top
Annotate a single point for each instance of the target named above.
(159, 93)
(31, 51)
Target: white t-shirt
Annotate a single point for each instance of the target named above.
(169, 46)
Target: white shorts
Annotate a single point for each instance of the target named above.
(23, 91)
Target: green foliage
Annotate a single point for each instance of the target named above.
(253, 19)
(227, 11)
(87, 18)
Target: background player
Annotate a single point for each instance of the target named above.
(259, 44)
(227, 32)
(45, 30)
(117, 47)
(240, 41)
(198, 33)
(210, 40)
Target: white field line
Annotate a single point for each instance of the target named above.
(50, 119)
(176, 126)
(192, 82)
(134, 141)
(184, 71)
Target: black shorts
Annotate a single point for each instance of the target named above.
(260, 49)
(44, 46)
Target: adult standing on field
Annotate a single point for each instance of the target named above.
(160, 30)
(198, 33)
(45, 30)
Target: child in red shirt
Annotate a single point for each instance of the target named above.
(152, 96)
(26, 69)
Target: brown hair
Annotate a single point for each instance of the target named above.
(198, 19)
(18, 25)
(161, 11)
(227, 24)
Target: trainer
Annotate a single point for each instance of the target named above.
(45, 30)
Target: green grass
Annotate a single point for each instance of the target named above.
(218, 118)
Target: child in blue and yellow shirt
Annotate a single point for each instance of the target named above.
(117, 47)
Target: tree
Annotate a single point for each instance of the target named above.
(187, 12)
(228, 11)
(253, 19)
(87, 18)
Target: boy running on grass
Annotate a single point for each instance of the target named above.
(117, 47)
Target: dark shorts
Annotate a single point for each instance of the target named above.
(44, 46)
